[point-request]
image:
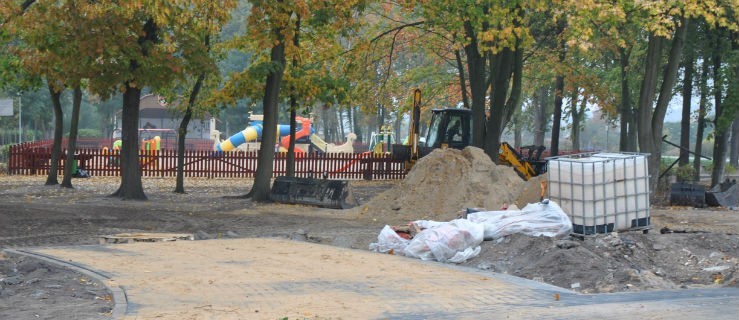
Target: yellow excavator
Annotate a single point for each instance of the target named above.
(526, 166)
(452, 128)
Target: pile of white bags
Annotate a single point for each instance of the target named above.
(454, 241)
(535, 219)
(458, 240)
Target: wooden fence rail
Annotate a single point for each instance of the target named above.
(25, 159)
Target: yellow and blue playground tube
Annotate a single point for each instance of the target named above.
(252, 133)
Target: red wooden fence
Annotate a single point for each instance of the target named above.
(93, 143)
(35, 159)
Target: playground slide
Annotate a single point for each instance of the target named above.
(346, 147)
(305, 127)
(251, 133)
(318, 143)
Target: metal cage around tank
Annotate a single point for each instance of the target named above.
(601, 192)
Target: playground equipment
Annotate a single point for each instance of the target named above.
(304, 131)
(380, 142)
(250, 133)
(148, 152)
(304, 128)
(253, 132)
(346, 147)
(114, 158)
(150, 149)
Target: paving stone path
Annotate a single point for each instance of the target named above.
(273, 279)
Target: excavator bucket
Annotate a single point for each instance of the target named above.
(335, 194)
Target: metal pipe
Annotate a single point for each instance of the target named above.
(20, 113)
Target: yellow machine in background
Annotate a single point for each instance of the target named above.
(452, 128)
(525, 167)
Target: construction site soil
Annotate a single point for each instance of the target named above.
(701, 249)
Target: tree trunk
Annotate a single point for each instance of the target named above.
(645, 110)
(72, 140)
(514, 99)
(328, 124)
(462, 79)
(350, 119)
(291, 146)
(725, 109)
(131, 187)
(502, 70)
(381, 117)
(720, 125)
(181, 136)
(732, 98)
(357, 114)
(340, 117)
(689, 64)
(56, 148)
(517, 135)
(324, 122)
(263, 175)
(651, 120)
(576, 119)
(290, 170)
(702, 110)
(559, 89)
(396, 126)
(335, 119)
(182, 133)
(478, 87)
(626, 143)
(540, 115)
(669, 79)
(734, 143)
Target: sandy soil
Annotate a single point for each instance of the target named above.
(701, 251)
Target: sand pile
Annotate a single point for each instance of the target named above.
(447, 181)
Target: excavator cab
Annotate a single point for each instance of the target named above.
(449, 128)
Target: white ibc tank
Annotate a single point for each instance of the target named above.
(601, 192)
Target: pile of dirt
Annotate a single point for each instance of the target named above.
(447, 181)
(31, 289)
(616, 262)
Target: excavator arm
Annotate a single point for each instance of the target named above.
(508, 155)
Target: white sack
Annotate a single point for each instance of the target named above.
(535, 219)
(454, 241)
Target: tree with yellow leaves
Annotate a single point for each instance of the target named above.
(274, 28)
(54, 43)
(151, 44)
(196, 27)
(493, 36)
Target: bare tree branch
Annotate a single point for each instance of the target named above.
(397, 29)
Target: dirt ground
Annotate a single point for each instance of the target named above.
(701, 249)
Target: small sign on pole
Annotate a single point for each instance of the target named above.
(6, 107)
